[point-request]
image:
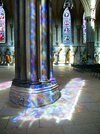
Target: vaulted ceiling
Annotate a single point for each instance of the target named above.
(57, 5)
(8, 7)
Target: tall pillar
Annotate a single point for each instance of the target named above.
(97, 36)
(89, 38)
(79, 35)
(56, 27)
(32, 86)
(44, 41)
(51, 43)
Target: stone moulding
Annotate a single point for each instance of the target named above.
(35, 96)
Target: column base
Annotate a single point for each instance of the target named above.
(36, 95)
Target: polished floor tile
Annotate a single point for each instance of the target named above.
(84, 109)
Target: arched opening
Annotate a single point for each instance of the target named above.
(67, 30)
(2, 25)
(6, 34)
(70, 46)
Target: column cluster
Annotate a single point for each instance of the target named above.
(34, 84)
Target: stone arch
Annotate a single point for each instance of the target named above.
(86, 7)
(8, 45)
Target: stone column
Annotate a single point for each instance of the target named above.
(89, 38)
(32, 86)
(51, 43)
(79, 35)
(44, 41)
(56, 27)
(79, 39)
(97, 36)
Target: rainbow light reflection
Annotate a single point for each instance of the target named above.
(60, 110)
(43, 39)
(5, 85)
(51, 42)
(33, 38)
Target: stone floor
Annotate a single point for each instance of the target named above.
(77, 112)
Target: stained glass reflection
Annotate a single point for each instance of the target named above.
(61, 110)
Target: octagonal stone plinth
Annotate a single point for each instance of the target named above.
(35, 95)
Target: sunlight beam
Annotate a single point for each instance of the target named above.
(5, 85)
(60, 110)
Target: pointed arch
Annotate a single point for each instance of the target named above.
(2, 25)
(67, 32)
(86, 7)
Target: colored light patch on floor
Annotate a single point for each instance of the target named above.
(5, 85)
(60, 110)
